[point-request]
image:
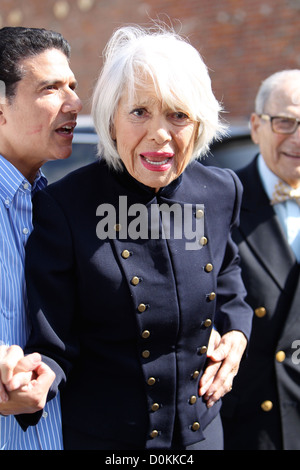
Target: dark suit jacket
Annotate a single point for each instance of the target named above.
(125, 323)
(263, 410)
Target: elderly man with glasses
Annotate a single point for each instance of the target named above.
(263, 409)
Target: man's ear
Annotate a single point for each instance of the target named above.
(2, 118)
(3, 106)
(254, 126)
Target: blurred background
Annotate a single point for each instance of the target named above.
(241, 42)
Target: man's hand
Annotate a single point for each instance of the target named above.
(24, 383)
(224, 357)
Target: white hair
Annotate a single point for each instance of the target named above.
(270, 84)
(179, 74)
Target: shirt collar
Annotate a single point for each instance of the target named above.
(268, 178)
(130, 182)
(11, 180)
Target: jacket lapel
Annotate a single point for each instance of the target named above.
(261, 227)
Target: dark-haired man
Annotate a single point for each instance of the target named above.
(38, 111)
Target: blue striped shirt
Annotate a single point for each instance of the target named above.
(15, 227)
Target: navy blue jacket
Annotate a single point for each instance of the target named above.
(263, 410)
(123, 322)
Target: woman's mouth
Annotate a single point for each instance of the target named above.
(156, 161)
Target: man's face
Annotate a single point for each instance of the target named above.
(37, 125)
(280, 152)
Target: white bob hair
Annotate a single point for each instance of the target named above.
(179, 75)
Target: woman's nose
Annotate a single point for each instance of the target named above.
(159, 131)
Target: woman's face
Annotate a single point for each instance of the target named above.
(154, 142)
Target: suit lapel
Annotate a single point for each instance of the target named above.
(292, 316)
(261, 227)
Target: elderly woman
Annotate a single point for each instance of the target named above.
(131, 263)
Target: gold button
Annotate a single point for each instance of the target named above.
(155, 407)
(212, 296)
(203, 350)
(196, 374)
(125, 254)
(266, 405)
(280, 356)
(117, 227)
(141, 308)
(146, 334)
(203, 241)
(154, 434)
(151, 381)
(135, 280)
(209, 267)
(207, 323)
(260, 312)
(193, 399)
(199, 213)
(195, 426)
(146, 354)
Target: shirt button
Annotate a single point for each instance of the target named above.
(280, 356)
(260, 312)
(145, 334)
(195, 426)
(125, 254)
(7, 202)
(212, 296)
(25, 185)
(151, 381)
(45, 414)
(155, 407)
(266, 405)
(142, 308)
(203, 241)
(25, 231)
(209, 267)
(193, 399)
(135, 280)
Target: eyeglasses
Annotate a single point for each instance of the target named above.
(281, 124)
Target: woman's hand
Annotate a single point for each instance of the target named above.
(224, 357)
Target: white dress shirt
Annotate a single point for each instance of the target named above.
(288, 212)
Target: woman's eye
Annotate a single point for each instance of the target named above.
(180, 115)
(139, 112)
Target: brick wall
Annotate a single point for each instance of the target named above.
(241, 41)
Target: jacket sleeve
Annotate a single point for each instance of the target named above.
(233, 313)
(52, 296)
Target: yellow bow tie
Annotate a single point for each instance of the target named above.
(283, 192)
